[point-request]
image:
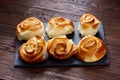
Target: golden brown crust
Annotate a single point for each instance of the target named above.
(90, 49)
(60, 22)
(88, 20)
(60, 48)
(89, 25)
(33, 50)
(31, 24)
(58, 26)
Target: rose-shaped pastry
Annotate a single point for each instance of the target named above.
(33, 50)
(89, 25)
(58, 26)
(90, 49)
(60, 48)
(29, 28)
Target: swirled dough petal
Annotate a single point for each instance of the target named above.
(90, 49)
(29, 28)
(61, 48)
(88, 25)
(33, 50)
(58, 26)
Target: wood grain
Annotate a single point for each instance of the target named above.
(13, 12)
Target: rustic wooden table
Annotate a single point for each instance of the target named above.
(13, 12)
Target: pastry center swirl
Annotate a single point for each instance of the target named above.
(33, 48)
(90, 44)
(30, 22)
(60, 19)
(89, 21)
(89, 18)
(60, 49)
(30, 48)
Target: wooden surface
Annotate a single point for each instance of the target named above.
(13, 12)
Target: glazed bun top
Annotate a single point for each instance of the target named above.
(33, 50)
(58, 26)
(89, 25)
(90, 49)
(29, 28)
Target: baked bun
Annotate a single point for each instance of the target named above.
(90, 49)
(59, 26)
(33, 50)
(89, 25)
(60, 48)
(29, 28)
